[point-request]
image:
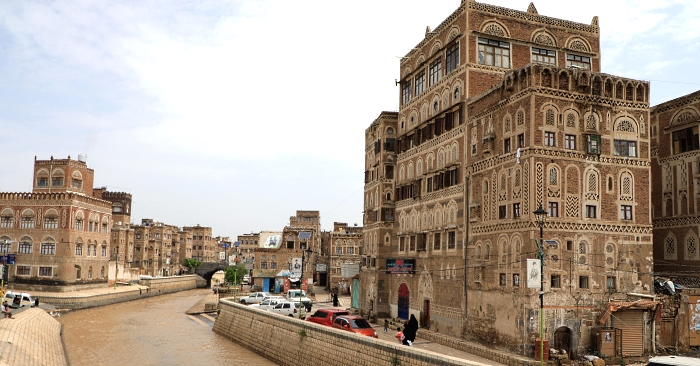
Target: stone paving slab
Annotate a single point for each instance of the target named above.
(33, 337)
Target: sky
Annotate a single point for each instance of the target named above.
(235, 114)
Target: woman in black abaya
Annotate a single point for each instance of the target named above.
(411, 329)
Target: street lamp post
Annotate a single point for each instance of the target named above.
(540, 217)
(301, 276)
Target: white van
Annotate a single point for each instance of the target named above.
(673, 361)
(19, 299)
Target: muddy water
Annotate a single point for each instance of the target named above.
(153, 331)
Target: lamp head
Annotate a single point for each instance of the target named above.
(540, 215)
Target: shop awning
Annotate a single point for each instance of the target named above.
(614, 306)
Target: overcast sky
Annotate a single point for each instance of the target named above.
(235, 114)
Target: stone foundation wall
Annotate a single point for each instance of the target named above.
(169, 284)
(156, 286)
(287, 341)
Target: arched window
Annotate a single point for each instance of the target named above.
(51, 219)
(25, 245)
(27, 219)
(48, 246)
(79, 248)
(670, 251)
(553, 176)
(76, 180)
(7, 218)
(5, 244)
(549, 117)
(57, 178)
(691, 248)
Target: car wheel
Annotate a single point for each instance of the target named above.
(243, 302)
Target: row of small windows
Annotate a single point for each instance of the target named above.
(47, 247)
(593, 144)
(57, 179)
(591, 211)
(434, 74)
(421, 242)
(497, 53)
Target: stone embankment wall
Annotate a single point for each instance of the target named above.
(33, 337)
(289, 341)
(146, 288)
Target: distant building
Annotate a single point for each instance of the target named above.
(60, 232)
(346, 247)
(246, 251)
(204, 247)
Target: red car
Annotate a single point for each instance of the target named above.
(355, 324)
(326, 316)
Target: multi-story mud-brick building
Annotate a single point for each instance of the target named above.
(246, 250)
(204, 247)
(675, 152)
(448, 146)
(156, 251)
(675, 149)
(346, 245)
(576, 144)
(379, 208)
(60, 232)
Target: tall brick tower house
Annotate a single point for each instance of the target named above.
(485, 85)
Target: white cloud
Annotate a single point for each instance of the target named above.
(233, 114)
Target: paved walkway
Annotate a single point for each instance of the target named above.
(33, 337)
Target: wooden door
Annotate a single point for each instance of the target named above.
(425, 318)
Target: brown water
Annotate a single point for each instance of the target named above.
(153, 331)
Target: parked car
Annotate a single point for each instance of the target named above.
(255, 298)
(673, 361)
(288, 308)
(20, 299)
(268, 302)
(355, 324)
(294, 295)
(246, 279)
(326, 316)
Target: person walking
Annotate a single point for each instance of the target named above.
(411, 330)
(386, 325)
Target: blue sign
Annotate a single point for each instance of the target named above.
(225, 245)
(236, 244)
(11, 259)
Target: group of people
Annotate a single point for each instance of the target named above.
(408, 335)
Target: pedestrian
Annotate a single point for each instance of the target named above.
(410, 330)
(400, 336)
(6, 310)
(386, 325)
(335, 299)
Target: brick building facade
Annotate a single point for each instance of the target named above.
(503, 110)
(59, 232)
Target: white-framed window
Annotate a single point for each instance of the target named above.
(48, 247)
(25, 246)
(494, 53)
(570, 142)
(78, 249)
(24, 270)
(46, 271)
(543, 56)
(625, 148)
(583, 62)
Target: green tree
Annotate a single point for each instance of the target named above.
(191, 263)
(234, 274)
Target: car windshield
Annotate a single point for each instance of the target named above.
(359, 323)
